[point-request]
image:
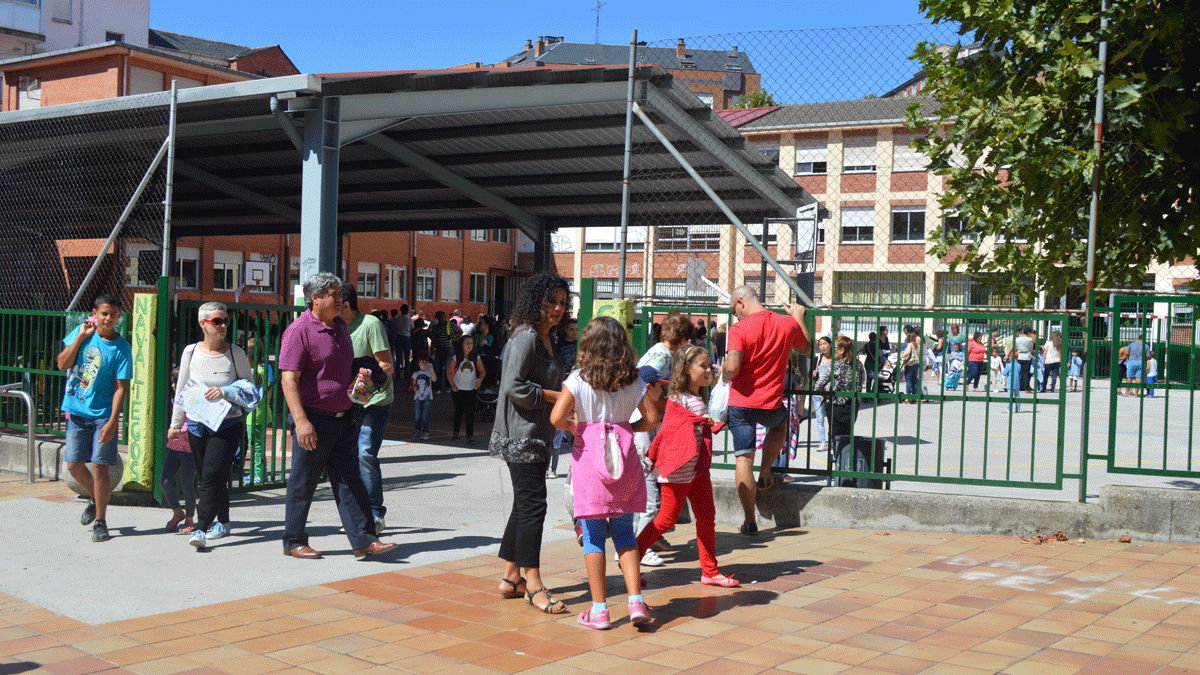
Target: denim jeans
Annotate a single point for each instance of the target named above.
(818, 414)
(370, 437)
(336, 456)
(421, 414)
(83, 442)
(912, 376)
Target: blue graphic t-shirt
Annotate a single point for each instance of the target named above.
(92, 382)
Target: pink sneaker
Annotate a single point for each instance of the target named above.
(639, 612)
(599, 620)
(723, 581)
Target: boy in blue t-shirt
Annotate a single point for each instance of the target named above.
(100, 365)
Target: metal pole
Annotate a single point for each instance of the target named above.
(625, 171)
(11, 391)
(1093, 218)
(129, 206)
(662, 138)
(166, 240)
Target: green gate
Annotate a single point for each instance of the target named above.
(1152, 426)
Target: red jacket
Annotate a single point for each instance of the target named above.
(675, 443)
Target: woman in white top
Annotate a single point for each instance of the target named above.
(465, 372)
(1051, 361)
(214, 364)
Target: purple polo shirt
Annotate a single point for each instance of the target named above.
(323, 356)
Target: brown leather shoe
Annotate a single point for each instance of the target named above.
(303, 552)
(375, 548)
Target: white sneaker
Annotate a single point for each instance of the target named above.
(551, 475)
(380, 523)
(823, 448)
(218, 531)
(198, 539)
(651, 559)
(424, 435)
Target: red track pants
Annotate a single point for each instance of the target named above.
(700, 492)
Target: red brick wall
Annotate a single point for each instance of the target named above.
(858, 182)
(906, 254)
(856, 254)
(85, 80)
(272, 60)
(812, 184)
(910, 181)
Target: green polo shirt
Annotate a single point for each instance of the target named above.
(370, 336)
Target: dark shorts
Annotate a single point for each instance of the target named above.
(741, 426)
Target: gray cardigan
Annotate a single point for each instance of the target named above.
(522, 433)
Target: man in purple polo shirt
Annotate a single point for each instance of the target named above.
(316, 367)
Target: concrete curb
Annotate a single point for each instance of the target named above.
(14, 455)
(1145, 514)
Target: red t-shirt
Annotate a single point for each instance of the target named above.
(766, 340)
(976, 351)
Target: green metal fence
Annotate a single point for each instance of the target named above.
(30, 341)
(258, 329)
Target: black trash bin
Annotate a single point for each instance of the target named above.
(863, 455)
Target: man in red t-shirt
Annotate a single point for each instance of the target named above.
(756, 360)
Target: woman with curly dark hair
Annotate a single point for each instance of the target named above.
(530, 382)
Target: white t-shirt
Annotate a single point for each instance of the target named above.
(592, 405)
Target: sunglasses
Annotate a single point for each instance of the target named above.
(216, 322)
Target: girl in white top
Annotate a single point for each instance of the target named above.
(465, 373)
(997, 370)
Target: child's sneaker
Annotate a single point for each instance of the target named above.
(454, 437)
(598, 620)
(639, 612)
(470, 440)
(100, 531)
(218, 531)
(579, 534)
(198, 540)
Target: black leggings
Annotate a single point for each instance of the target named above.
(522, 542)
(214, 451)
(464, 406)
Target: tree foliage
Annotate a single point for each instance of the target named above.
(755, 99)
(1014, 136)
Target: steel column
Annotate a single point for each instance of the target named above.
(319, 197)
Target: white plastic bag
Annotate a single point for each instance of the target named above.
(614, 456)
(718, 400)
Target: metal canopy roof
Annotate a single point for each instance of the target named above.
(458, 149)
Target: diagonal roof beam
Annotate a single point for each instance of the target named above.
(238, 192)
(530, 224)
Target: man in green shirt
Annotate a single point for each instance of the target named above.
(370, 338)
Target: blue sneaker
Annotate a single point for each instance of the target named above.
(218, 531)
(198, 540)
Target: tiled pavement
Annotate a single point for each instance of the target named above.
(812, 601)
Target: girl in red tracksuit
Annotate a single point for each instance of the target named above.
(682, 452)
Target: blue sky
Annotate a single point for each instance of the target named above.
(362, 35)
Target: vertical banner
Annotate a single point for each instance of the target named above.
(139, 470)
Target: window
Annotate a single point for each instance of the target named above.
(858, 225)
(908, 224)
(227, 270)
(395, 282)
(756, 230)
(452, 234)
(904, 157)
(29, 92)
(478, 288)
(426, 284)
(261, 272)
(368, 279)
(187, 268)
(501, 236)
(688, 238)
(607, 288)
(294, 273)
(432, 233)
(955, 289)
(754, 281)
(478, 235)
(706, 99)
(609, 239)
(676, 289)
(811, 156)
(143, 266)
(110, 36)
(769, 149)
(858, 154)
(955, 224)
(451, 286)
(893, 289)
(63, 11)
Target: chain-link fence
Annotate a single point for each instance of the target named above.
(55, 214)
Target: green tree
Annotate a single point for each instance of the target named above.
(755, 99)
(1014, 135)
